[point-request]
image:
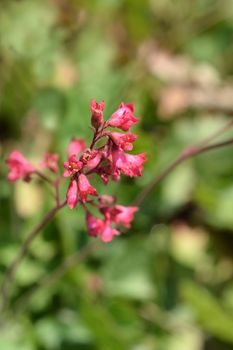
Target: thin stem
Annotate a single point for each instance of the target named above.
(94, 139)
(57, 190)
(189, 152)
(44, 177)
(98, 135)
(218, 133)
(5, 288)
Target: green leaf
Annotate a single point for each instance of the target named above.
(210, 313)
(126, 272)
(177, 188)
(102, 326)
(31, 38)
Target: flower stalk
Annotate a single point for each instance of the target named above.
(108, 162)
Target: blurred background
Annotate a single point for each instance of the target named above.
(167, 283)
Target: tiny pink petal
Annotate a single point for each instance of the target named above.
(94, 225)
(93, 163)
(124, 215)
(123, 141)
(123, 118)
(97, 227)
(85, 188)
(129, 164)
(91, 158)
(97, 108)
(50, 161)
(108, 233)
(66, 171)
(129, 106)
(72, 194)
(76, 146)
(72, 167)
(19, 167)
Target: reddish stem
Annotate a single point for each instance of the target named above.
(189, 152)
(44, 177)
(98, 134)
(94, 139)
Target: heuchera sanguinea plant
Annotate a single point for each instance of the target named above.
(107, 161)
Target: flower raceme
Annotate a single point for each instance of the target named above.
(108, 161)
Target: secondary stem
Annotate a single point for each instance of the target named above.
(218, 133)
(44, 177)
(96, 134)
(189, 152)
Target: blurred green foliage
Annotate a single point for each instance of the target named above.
(167, 283)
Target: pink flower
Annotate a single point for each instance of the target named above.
(94, 162)
(72, 194)
(108, 233)
(97, 113)
(19, 167)
(72, 166)
(50, 161)
(129, 164)
(76, 146)
(124, 215)
(91, 158)
(85, 188)
(123, 118)
(119, 214)
(97, 227)
(94, 225)
(123, 141)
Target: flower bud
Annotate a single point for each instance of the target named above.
(97, 117)
(72, 194)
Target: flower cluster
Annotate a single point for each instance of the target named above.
(108, 160)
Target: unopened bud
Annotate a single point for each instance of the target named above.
(97, 117)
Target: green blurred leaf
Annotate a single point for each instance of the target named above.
(210, 313)
(29, 271)
(49, 333)
(103, 327)
(126, 272)
(177, 188)
(32, 38)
